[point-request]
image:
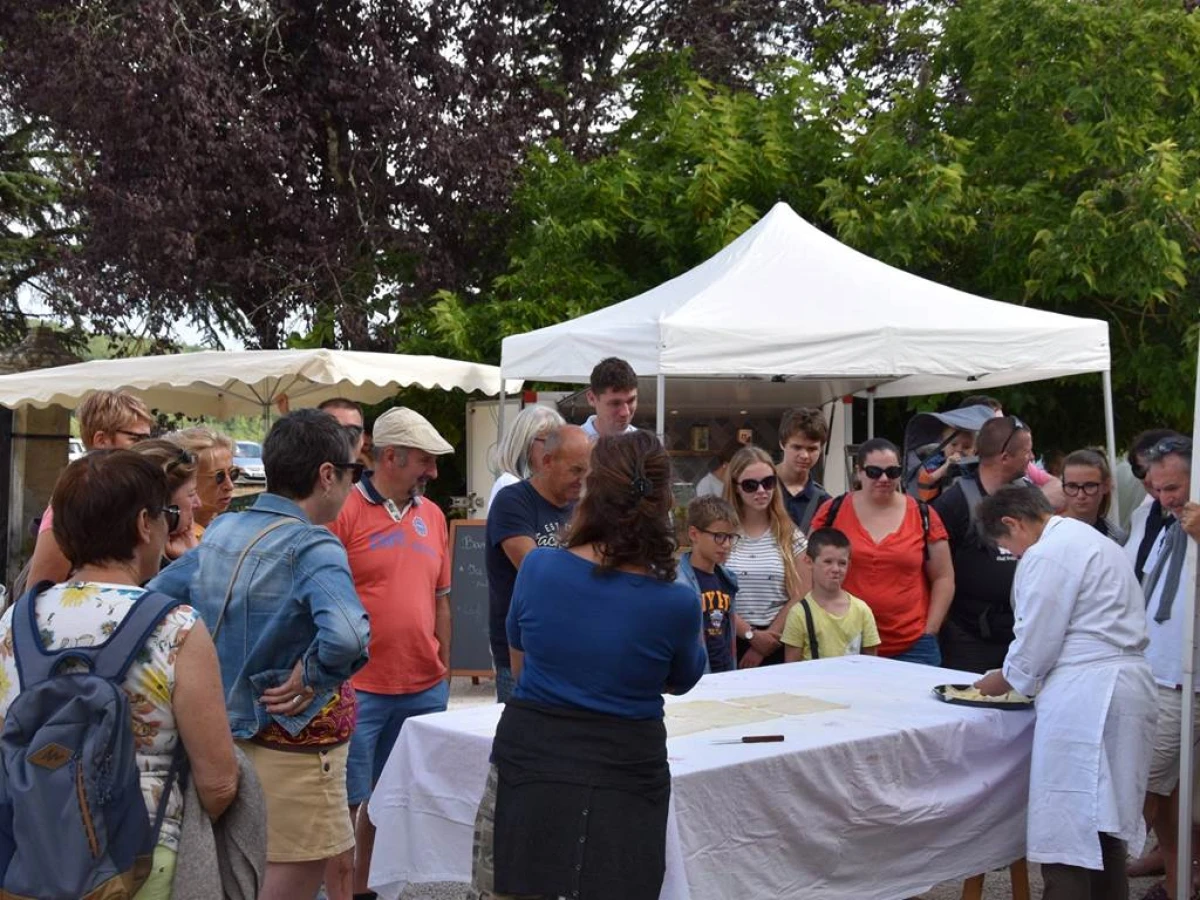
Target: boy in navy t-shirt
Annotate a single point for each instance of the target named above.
(713, 532)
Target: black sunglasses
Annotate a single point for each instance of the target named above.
(233, 473)
(172, 514)
(891, 473)
(183, 459)
(721, 538)
(1018, 425)
(1087, 488)
(751, 485)
(355, 468)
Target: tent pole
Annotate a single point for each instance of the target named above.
(848, 429)
(1187, 762)
(1110, 434)
(870, 413)
(660, 407)
(500, 412)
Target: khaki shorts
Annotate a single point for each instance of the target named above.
(308, 817)
(1164, 763)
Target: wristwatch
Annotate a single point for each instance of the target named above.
(749, 635)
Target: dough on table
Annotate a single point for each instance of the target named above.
(973, 694)
(787, 704)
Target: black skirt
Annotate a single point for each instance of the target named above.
(581, 804)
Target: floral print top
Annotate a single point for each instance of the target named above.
(84, 614)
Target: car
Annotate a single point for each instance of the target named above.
(75, 449)
(247, 458)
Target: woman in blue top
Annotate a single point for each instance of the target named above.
(576, 800)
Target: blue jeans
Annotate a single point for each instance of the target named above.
(379, 719)
(923, 650)
(504, 684)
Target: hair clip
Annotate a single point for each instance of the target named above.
(641, 485)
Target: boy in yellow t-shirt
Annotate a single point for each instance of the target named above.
(829, 622)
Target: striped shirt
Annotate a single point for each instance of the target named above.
(762, 590)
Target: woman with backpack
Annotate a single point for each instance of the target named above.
(901, 554)
(112, 518)
(767, 560)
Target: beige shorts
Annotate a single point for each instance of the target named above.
(1164, 763)
(308, 817)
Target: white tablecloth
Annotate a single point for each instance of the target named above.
(880, 800)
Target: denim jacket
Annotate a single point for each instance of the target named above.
(686, 575)
(294, 600)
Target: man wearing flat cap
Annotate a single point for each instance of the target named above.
(399, 557)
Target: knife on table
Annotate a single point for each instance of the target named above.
(753, 739)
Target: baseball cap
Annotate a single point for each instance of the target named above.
(404, 427)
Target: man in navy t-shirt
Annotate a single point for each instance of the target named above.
(525, 515)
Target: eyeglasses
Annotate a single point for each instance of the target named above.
(172, 514)
(721, 538)
(355, 468)
(751, 485)
(1018, 425)
(1170, 445)
(136, 436)
(233, 473)
(1088, 488)
(891, 473)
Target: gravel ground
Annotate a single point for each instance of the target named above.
(997, 885)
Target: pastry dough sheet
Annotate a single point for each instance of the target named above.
(787, 704)
(708, 715)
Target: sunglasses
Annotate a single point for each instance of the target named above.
(891, 473)
(136, 436)
(183, 459)
(1167, 446)
(1087, 488)
(1018, 425)
(355, 468)
(233, 473)
(172, 514)
(721, 538)
(751, 485)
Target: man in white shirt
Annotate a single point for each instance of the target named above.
(613, 394)
(1164, 581)
(1078, 647)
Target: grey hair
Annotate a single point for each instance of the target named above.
(199, 438)
(512, 453)
(1028, 504)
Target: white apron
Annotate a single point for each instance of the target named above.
(1091, 756)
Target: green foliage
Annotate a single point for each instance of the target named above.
(1031, 151)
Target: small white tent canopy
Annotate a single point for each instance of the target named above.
(223, 384)
(787, 302)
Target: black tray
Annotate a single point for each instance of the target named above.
(940, 693)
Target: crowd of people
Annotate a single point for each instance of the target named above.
(285, 646)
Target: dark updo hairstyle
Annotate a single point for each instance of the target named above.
(874, 445)
(98, 500)
(626, 505)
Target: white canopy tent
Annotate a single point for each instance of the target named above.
(223, 384)
(786, 302)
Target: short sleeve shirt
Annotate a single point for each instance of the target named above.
(518, 511)
(85, 614)
(400, 561)
(890, 575)
(717, 605)
(842, 635)
(762, 584)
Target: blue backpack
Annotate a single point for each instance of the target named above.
(73, 823)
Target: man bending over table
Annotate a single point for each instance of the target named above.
(1078, 648)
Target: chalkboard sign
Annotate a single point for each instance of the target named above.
(470, 651)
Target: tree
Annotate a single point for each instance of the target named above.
(244, 164)
(1027, 150)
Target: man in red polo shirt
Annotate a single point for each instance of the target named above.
(399, 557)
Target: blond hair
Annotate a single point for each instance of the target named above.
(782, 526)
(199, 439)
(107, 412)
